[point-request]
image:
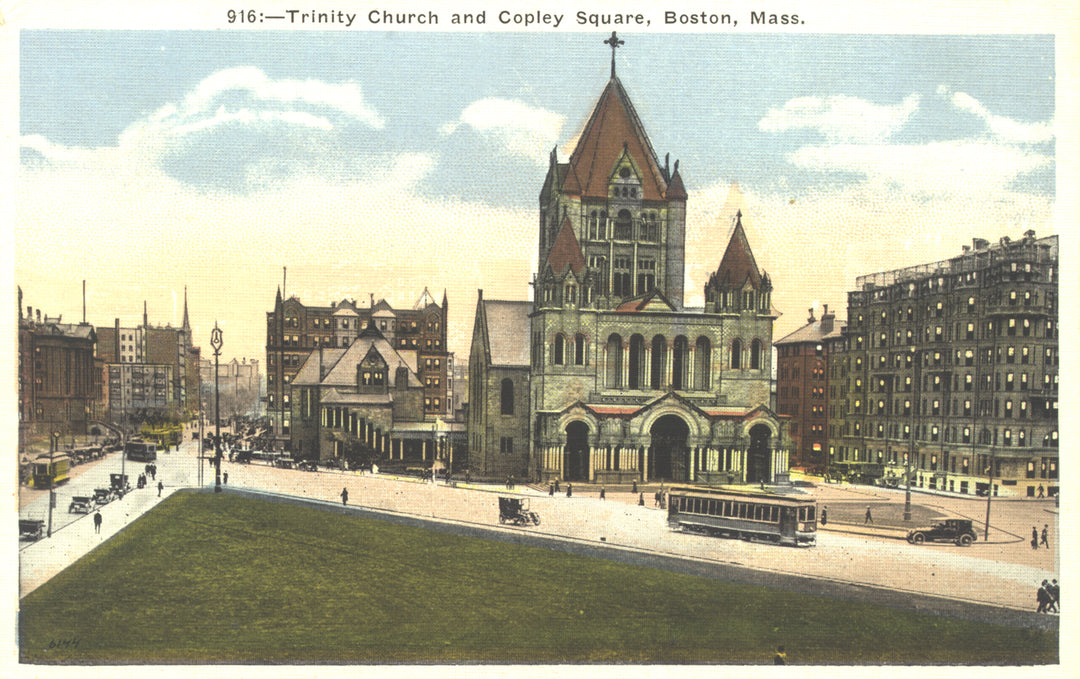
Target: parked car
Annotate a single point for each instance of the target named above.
(958, 531)
(307, 466)
(81, 504)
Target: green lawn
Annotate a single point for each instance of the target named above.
(221, 578)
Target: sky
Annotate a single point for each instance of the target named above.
(351, 164)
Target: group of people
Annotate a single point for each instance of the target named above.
(1045, 538)
(1049, 597)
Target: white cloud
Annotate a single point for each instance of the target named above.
(520, 129)
(345, 98)
(1004, 129)
(935, 169)
(841, 118)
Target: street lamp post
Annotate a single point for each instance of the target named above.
(53, 445)
(989, 494)
(216, 342)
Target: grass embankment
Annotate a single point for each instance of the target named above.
(221, 578)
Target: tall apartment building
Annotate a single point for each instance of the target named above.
(152, 347)
(952, 367)
(294, 330)
(801, 387)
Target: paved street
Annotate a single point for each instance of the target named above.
(1004, 571)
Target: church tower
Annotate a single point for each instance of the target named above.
(612, 211)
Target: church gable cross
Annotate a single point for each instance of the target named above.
(615, 43)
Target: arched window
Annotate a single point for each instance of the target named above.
(736, 354)
(637, 361)
(755, 355)
(679, 356)
(702, 364)
(623, 223)
(579, 349)
(507, 397)
(560, 349)
(614, 361)
(659, 362)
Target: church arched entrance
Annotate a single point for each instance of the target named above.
(576, 455)
(668, 456)
(759, 456)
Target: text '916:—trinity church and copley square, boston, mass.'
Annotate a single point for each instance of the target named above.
(508, 18)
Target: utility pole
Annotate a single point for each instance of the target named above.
(216, 342)
(989, 493)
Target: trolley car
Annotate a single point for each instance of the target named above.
(141, 451)
(750, 516)
(48, 473)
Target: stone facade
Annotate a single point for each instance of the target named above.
(625, 383)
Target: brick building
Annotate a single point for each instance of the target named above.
(295, 330)
(953, 366)
(802, 388)
(58, 386)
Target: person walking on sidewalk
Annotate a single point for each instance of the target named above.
(97, 522)
(825, 515)
(1045, 536)
(601, 492)
(1043, 597)
(1034, 537)
(344, 496)
(160, 487)
(869, 517)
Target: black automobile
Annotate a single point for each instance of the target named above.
(958, 531)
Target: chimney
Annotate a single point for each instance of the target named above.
(826, 320)
(980, 243)
(116, 340)
(39, 315)
(811, 319)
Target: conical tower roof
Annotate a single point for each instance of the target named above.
(613, 127)
(738, 264)
(566, 252)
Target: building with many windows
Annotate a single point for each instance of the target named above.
(57, 382)
(625, 382)
(951, 369)
(295, 330)
(802, 385)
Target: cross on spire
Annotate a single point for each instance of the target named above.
(614, 42)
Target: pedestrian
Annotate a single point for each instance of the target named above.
(468, 476)
(1043, 597)
(825, 515)
(1034, 537)
(781, 657)
(601, 492)
(569, 489)
(344, 496)
(634, 488)
(225, 478)
(556, 485)
(160, 487)
(1041, 492)
(551, 489)
(656, 498)
(1045, 535)
(97, 522)
(663, 500)
(641, 500)
(1055, 596)
(869, 518)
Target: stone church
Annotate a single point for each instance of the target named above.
(624, 381)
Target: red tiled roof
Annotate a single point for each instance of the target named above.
(738, 263)
(566, 252)
(613, 126)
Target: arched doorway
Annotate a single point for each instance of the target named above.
(759, 456)
(669, 452)
(576, 455)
